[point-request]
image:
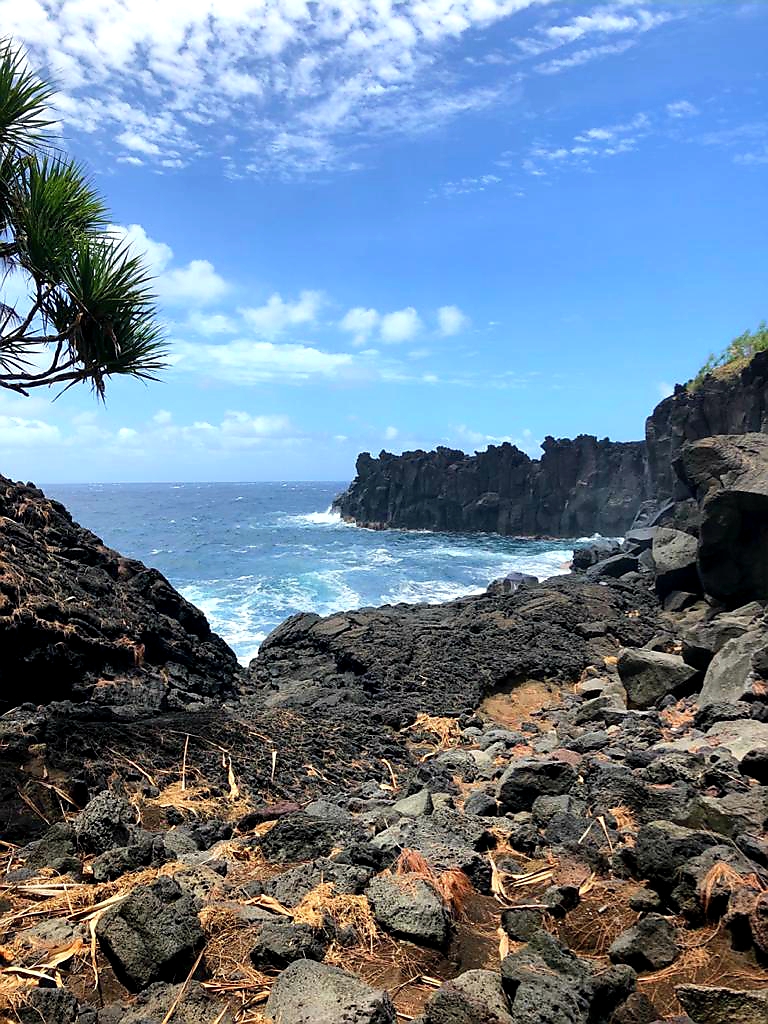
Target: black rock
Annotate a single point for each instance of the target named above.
(312, 993)
(522, 923)
(153, 935)
(527, 779)
(410, 908)
(650, 945)
(104, 823)
(279, 943)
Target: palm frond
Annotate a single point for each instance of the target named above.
(106, 309)
(24, 99)
(52, 205)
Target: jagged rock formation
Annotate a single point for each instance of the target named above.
(577, 487)
(79, 621)
(721, 404)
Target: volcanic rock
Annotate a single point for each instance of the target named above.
(312, 993)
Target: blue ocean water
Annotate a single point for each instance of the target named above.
(251, 554)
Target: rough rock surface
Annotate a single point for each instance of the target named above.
(729, 477)
(79, 621)
(577, 487)
(310, 993)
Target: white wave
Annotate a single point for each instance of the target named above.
(327, 518)
(430, 592)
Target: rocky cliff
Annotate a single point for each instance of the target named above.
(577, 487)
(79, 621)
(722, 404)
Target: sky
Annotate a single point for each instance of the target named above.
(380, 224)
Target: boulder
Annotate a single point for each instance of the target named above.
(729, 476)
(152, 935)
(409, 907)
(613, 567)
(312, 993)
(739, 738)
(591, 554)
(475, 997)
(300, 837)
(674, 555)
(104, 823)
(279, 943)
(735, 672)
(47, 1006)
(647, 676)
(527, 779)
(650, 945)
(663, 848)
(723, 1005)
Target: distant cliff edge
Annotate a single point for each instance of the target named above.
(578, 487)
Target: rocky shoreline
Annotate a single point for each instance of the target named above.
(546, 804)
(577, 488)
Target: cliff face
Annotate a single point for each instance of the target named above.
(577, 487)
(79, 621)
(736, 404)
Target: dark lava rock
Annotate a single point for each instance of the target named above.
(648, 946)
(578, 487)
(279, 943)
(193, 1006)
(720, 711)
(55, 849)
(299, 837)
(648, 676)
(527, 779)
(663, 848)
(733, 670)
(729, 476)
(104, 823)
(475, 997)
(144, 850)
(638, 1009)
(613, 567)
(292, 886)
(482, 804)
(408, 659)
(153, 935)
(674, 554)
(755, 765)
(312, 993)
(522, 923)
(591, 554)
(48, 1006)
(723, 1005)
(88, 623)
(409, 907)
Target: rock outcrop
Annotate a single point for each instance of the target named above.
(79, 621)
(721, 404)
(577, 487)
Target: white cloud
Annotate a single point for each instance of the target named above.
(682, 108)
(134, 141)
(451, 320)
(197, 283)
(19, 432)
(276, 314)
(211, 323)
(402, 325)
(585, 56)
(162, 417)
(247, 362)
(127, 434)
(359, 322)
(391, 433)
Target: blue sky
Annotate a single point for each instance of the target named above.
(396, 225)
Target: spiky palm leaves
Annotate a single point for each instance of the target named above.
(90, 311)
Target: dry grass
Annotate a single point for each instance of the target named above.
(345, 912)
(452, 886)
(721, 881)
(446, 731)
(624, 818)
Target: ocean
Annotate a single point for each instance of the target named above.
(251, 554)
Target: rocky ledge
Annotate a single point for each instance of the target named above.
(547, 804)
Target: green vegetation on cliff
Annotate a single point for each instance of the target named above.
(735, 356)
(75, 304)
